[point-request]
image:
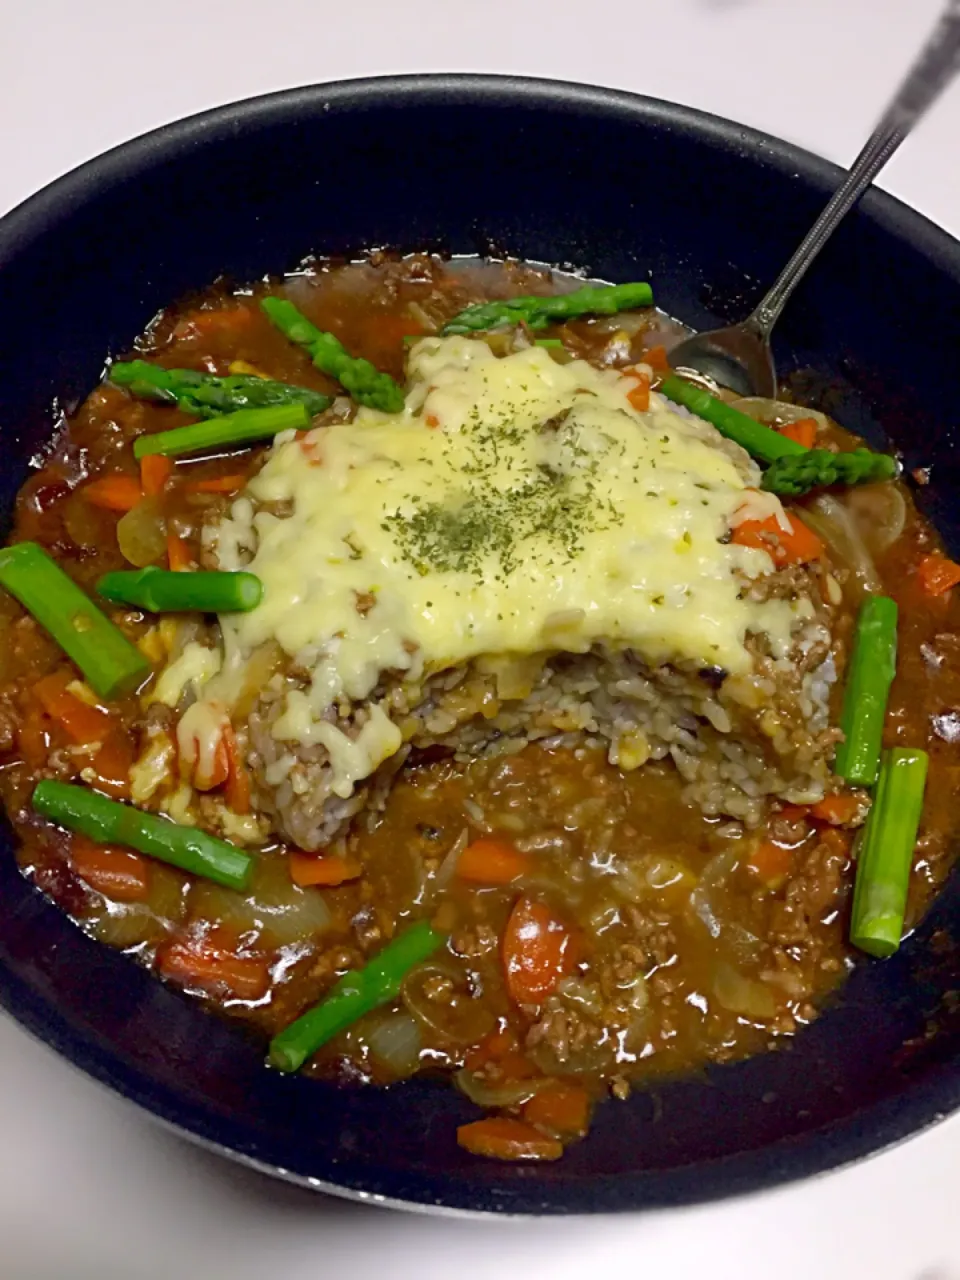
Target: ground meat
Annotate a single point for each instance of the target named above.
(812, 892)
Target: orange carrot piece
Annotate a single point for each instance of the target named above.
(937, 574)
(82, 723)
(656, 358)
(116, 873)
(491, 861)
(798, 545)
(326, 869)
(237, 786)
(771, 862)
(216, 484)
(639, 397)
(502, 1138)
(155, 471)
(113, 493)
(199, 964)
(112, 764)
(492, 1048)
(837, 809)
(803, 431)
(178, 553)
(537, 952)
(562, 1110)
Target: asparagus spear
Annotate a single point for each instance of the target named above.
(536, 313)
(207, 395)
(365, 383)
(240, 428)
(819, 468)
(873, 664)
(110, 663)
(357, 992)
(886, 853)
(109, 822)
(164, 591)
(763, 443)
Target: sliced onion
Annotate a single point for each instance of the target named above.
(462, 1022)
(743, 996)
(502, 1093)
(128, 926)
(832, 521)
(142, 533)
(262, 665)
(778, 412)
(274, 905)
(396, 1041)
(714, 910)
(438, 880)
(711, 879)
(879, 511)
(87, 525)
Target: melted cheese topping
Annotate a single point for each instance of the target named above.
(516, 505)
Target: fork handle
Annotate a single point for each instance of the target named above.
(933, 70)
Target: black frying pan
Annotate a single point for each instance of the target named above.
(620, 186)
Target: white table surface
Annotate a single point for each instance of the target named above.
(88, 1186)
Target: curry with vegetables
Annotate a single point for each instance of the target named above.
(401, 657)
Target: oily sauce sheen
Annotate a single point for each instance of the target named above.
(676, 951)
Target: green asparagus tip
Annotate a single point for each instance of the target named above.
(537, 312)
(819, 469)
(206, 395)
(760, 441)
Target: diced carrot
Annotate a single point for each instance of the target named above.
(200, 964)
(656, 358)
(937, 574)
(155, 471)
(771, 862)
(113, 493)
(116, 873)
(803, 431)
(515, 1065)
(112, 764)
(491, 1048)
(237, 786)
(838, 809)
(562, 1110)
(206, 768)
(537, 952)
(217, 484)
(796, 545)
(326, 869)
(639, 396)
(82, 723)
(491, 861)
(431, 420)
(179, 557)
(502, 1138)
(793, 813)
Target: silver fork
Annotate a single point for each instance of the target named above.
(740, 357)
